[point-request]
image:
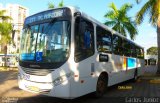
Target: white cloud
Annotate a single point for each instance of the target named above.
(152, 34)
(149, 25)
(148, 44)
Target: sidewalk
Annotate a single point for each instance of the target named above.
(8, 69)
(150, 74)
(154, 78)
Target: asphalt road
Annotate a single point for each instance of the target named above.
(10, 93)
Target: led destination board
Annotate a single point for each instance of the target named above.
(50, 14)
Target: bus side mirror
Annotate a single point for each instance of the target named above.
(78, 17)
(77, 14)
(79, 21)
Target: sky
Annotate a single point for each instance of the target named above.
(146, 37)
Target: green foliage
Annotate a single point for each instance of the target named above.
(17, 51)
(3, 17)
(51, 5)
(5, 30)
(152, 7)
(119, 20)
(61, 4)
(152, 51)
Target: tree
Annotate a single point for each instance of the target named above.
(51, 5)
(61, 4)
(120, 21)
(5, 31)
(3, 17)
(152, 51)
(152, 7)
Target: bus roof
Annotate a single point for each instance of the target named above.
(75, 9)
(102, 25)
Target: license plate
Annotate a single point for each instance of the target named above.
(33, 88)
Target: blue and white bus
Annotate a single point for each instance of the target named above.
(65, 53)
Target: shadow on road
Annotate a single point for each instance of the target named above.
(84, 99)
(7, 75)
(89, 98)
(139, 89)
(113, 94)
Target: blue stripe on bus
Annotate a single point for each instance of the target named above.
(27, 56)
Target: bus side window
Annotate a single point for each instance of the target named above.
(117, 45)
(126, 47)
(104, 40)
(133, 50)
(84, 39)
(140, 53)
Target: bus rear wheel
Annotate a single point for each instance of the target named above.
(101, 86)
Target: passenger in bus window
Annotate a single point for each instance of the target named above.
(87, 39)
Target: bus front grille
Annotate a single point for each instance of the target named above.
(38, 72)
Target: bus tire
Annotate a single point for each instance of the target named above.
(101, 86)
(135, 75)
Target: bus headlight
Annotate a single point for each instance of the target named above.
(20, 76)
(61, 79)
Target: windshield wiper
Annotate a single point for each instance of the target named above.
(49, 26)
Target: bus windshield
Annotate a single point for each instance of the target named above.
(46, 42)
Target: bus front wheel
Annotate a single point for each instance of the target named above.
(101, 86)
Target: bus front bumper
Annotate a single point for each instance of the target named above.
(60, 91)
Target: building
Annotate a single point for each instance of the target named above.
(151, 59)
(18, 14)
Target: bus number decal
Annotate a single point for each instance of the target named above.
(103, 58)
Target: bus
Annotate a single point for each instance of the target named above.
(65, 53)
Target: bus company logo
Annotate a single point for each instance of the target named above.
(37, 66)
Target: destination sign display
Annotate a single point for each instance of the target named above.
(50, 14)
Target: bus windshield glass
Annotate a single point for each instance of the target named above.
(46, 42)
